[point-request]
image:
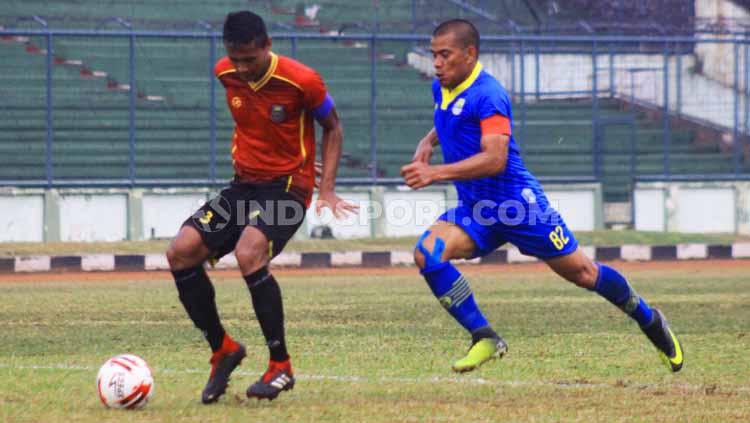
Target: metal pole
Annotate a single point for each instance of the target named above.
(131, 110)
(594, 78)
(598, 135)
(378, 37)
(599, 132)
(679, 81)
(632, 160)
(212, 108)
(611, 71)
(746, 91)
(523, 97)
(512, 70)
(413, 16)
(50, 135)
(536, 70)
(735, 131)
(373, 114)
(665, 111)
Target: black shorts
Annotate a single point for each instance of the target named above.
(275, 208)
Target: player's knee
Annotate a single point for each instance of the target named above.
(186, 250)
(419, 259)
(178, 255)
(584, 276)
(429, 251)
(252, 257)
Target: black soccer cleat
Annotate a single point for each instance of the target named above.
(279, 377)
(665, 342)
(223, 362)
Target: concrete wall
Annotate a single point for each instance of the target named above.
(718, 60)
(22, 218)
(164, 212)
(693, 207)
(90, 217)
(120, 214)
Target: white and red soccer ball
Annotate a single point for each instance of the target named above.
(125, 381)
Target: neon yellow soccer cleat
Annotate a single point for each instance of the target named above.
(481, 352)
(665, 342)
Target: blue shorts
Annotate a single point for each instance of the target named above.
(543, 237)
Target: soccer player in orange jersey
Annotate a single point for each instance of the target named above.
(274, 101)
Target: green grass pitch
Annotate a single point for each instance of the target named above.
(376, 346)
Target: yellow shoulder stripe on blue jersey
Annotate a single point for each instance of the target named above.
(449, 95)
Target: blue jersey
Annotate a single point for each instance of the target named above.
(509, 206)
(458, 115)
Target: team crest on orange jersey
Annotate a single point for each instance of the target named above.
(278, 114)
(236, 102)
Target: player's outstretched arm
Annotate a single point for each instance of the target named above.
(333, 138)
(425, 147)
(488, 162)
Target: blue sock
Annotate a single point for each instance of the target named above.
(454, 293)
(612, 285)
(451, 288)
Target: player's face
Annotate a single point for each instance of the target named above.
(452, 61)
(250, 60)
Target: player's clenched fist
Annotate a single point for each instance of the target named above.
(418, 174)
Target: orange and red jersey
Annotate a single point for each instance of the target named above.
(274, 133)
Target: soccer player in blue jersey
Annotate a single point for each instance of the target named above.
(499, 201)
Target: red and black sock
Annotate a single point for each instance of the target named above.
(266, 295)
(198, 297)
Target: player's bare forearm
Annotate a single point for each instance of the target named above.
(426, 145)
(332, 142)
(432, 137)
(333, 139)
(477, 166)
(490, 161)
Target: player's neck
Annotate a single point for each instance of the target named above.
(465, 76)
(265, 68)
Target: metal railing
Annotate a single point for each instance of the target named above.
(532, 67)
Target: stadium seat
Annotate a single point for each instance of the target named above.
(91, 120)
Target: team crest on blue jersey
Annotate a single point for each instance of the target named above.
(458, 106)
(278, 114)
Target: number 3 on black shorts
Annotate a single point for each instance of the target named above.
(558, 238)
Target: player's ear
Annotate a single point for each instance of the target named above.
(471, 53)
(269, 43)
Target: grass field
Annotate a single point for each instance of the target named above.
(377, 347)
(598, 238)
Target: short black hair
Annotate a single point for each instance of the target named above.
(245, 27)
(466, 33)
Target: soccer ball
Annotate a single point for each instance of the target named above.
(125, 381)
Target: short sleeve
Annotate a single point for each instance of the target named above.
(491, 103)
(315, 91)
(223, 66)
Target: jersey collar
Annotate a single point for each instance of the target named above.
(447, 96)
(255, 86)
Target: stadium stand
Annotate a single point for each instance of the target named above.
(91, 95)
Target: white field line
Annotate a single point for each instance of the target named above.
(423, 380)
